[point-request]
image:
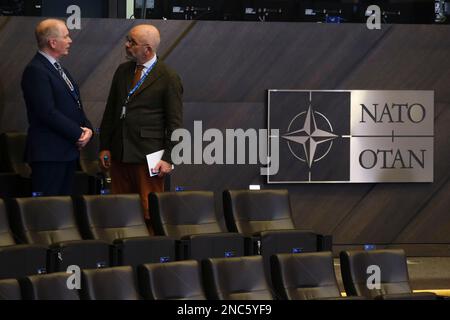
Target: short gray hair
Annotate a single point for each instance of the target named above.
(45, 30)
(154, 40)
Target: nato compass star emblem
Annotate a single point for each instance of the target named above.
(311, 130)
(309, 136)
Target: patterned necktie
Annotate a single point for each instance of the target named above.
(64, 76)
(137, 75)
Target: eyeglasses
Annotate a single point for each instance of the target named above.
(133, 43)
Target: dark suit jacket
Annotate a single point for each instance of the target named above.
(54, 115)
(153, 113)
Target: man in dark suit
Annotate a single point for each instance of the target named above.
(144, 107)
(58, 127)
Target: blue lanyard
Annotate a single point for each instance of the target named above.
(136, 87)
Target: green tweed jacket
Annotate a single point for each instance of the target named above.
(154, 111)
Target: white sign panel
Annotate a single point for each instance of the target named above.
(352, 136)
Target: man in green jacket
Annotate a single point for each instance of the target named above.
(144, 107)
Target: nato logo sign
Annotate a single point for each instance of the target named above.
(352, 136)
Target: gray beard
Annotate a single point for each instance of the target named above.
(131, 58)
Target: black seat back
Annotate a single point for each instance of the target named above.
(392, 266)
(50, 221)
(304, 276)
(6, 237)
(14, 156)
(178, 214)
(253, 211)
(180, 280)
(51, 286)
(119, 219)
(10, 290)
(116, 283)
(18, 260)
(240, 278)
(112, 217)
(266, 216)
(45, 220)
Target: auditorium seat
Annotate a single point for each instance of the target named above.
(15, 178)
(117, 283)
(18, 260)
(10, 290)
(265, 218)
(240, 278)
(119, 220)
(51, 286)
(13, 161)
(50, 221)
(190, 217)
(179, 280)
(11, 185)
(305, 276)
(394, 278)
(14, 157)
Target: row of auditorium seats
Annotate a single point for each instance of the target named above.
(15, 172)
(300, 276)
(254, 222)
(53, 233)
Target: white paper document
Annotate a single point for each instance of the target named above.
(152, 161)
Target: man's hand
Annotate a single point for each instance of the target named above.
(163, 168)
(84, 138)
(105, 159)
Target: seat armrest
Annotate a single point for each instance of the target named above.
(141, 250)
(212, 245)
(21, 260)
(86, 254)
(293, 241)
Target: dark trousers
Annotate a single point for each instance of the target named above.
(52, 178)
